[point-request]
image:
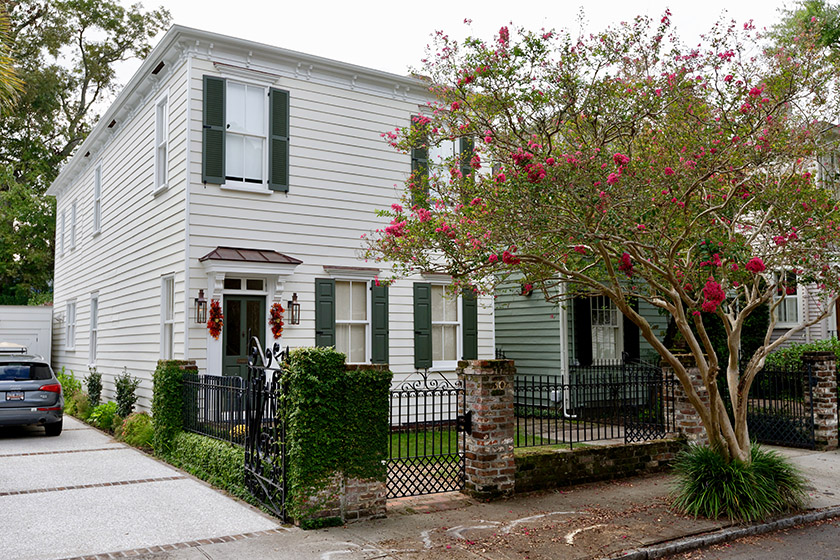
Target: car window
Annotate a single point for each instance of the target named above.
(10, 372)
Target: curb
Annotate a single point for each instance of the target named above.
(724, 535)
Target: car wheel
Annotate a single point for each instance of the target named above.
(54, 429)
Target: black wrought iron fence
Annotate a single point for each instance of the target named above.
(780, 407)
(214, 406)
(605, 401)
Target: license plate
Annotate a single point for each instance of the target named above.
(14, 395)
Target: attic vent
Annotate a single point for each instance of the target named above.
(111, 125)
(158, 68)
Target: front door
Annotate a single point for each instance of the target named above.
(244, 318)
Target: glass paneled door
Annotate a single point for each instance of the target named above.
(244, 317)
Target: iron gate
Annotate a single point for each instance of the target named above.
(428, 430)
(265, 437)
(645, 392)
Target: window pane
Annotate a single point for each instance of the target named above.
(357, 343)
(450, 342)
(450, 307)
(437, 304)
(169, 312)
(254, 319)
(94, 312)
(233, 284)
(359, 301)
(252, 158)
(254, 284)
(161, 168)
(233, 320)
(437, 343)
(255, 111)
(342, 301)
(342, 339)
(168, 343)
(236, 107)
(234, 151)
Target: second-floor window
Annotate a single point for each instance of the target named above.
(97, 199)
(73, 225)
(245, 135)
(70, 330)
(61, 232)
(161, 143)
(94, 326)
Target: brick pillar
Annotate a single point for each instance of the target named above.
(823, 380)
(490, 467)
(677, 406)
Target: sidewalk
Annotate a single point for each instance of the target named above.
(587, 521)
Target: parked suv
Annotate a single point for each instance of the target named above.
(29, 392)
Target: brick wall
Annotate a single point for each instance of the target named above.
(544, 468)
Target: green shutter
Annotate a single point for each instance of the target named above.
(278, 153)
(324, 312)
(466, 149)
(379, 324)
(469, 309)
(213, 133)
(420, 170)
(422, 325)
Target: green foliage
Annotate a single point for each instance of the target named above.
(337, 423)
(103, 415)
(218, 462)
(126, 397)
(709, 486)
(137, 430)
(791, 356)
(167, 403)
(65, 52)
(79, 406)
(755, 327)
(69, 384)
(93, 382)
(10, 83)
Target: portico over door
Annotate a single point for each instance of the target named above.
(244, 318)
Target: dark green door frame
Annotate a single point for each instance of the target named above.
(243, 315)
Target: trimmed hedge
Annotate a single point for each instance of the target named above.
(217, 462)
(167, 403)
(791, 356)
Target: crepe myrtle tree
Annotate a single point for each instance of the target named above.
(624, 165)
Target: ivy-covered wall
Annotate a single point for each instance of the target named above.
(337, 431)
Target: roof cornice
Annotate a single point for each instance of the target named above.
(179, 42)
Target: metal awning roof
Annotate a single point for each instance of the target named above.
(249, 255)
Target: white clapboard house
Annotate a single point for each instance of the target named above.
(246, 174)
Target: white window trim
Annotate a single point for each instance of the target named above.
(242, 186)
(94, 328)
(619, 330)
(97, 199)
(159, 142)
(368, 311)
(61, 232)
(164, 322)
(70, 328)
(73, 225)
(449, 365)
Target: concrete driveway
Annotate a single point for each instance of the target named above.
(83, 493)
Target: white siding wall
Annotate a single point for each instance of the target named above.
(142, 238)
(341, 172)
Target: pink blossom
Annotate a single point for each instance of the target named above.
(621, 159)
(728, 78)
(626, 264)
(509, 258)
(396, 229)
(709, 306)
(549, 161)
(612, 179)
(396, 208)
(668, 171)
(476, 201)
(500, 178)
(423, 215)
(580, 249)
(455, 105)
(488, 139)
(492, 259)
(504, 36)
(755, 265)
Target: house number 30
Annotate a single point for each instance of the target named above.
(499, 385)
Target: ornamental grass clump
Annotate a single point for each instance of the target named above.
(709, 486)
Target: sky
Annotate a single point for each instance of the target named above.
(391, 35)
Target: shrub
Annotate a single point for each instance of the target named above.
(791, 356)
(79, 406)
(126, 397)
(137, 430)
(708, 486)
(103, 415)
(167, 403)
(69, 384)
(218, 462)
(94, 386)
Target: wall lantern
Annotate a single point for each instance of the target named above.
(294, 311)
(200, 308)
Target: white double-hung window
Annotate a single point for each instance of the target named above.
(70, 329)
(787, 310)
(352, 320)
(445, 325)
(245, 136)
(97, 199)
(161, 143)
(167, 317)
(94, 327)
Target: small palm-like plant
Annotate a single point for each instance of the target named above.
(709, 486)
(10, 84)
